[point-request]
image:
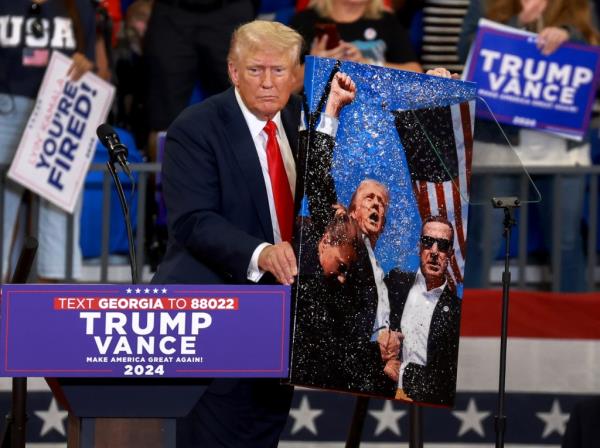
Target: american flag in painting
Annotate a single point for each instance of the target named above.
(438, 143)
(553, 352)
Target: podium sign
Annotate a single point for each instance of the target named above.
(144, 331)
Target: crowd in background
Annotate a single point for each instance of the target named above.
(165, 54)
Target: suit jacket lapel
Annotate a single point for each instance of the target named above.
(442, 314)
(241, 143)
(290, 117)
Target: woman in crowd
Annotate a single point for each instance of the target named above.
(34, 28)
(356, 30)
(556, 22)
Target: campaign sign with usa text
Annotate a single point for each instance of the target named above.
(523, 87)
(59, 141)
(144, 330)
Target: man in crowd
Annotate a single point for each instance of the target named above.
(430, 319)
(186, 43)
(228, 179)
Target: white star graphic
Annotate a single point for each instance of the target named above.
(387, 418)
(164, 290)
(470, 419)
(155, 290)
(52, 418)
(137, 290)
(128, 290)
(304, 417)
(555, 420)
(147, 290)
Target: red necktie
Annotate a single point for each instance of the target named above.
(282, 195)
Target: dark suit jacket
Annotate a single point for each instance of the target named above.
(435, 382)
(217, 206)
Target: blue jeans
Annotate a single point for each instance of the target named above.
(52, 235)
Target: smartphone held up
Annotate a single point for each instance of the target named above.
(330, 30)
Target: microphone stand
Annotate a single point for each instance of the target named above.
(508, 204)
(358, 422)
(132, 259)
(415, 432)
(415, 416)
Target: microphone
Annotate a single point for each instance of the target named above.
(116, 150)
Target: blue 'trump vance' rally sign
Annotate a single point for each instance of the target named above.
(523, 87)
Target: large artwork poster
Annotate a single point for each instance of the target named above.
(382, 238)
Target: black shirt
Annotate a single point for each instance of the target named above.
(22, 54)
(383, 39)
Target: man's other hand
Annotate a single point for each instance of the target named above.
(389, 344)
(279, 260)
(442, 73)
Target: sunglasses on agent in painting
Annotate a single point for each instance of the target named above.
(37, 27)
(442, 243)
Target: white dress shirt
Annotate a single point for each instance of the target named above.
(259, 137)
(416, 321)
(382, 315)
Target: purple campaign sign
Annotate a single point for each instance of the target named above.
(523, 87)
(144, 330)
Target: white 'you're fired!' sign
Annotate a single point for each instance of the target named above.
(58, 143)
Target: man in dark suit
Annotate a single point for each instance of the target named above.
(366, 315)
(430, 319)
(324, 264)
(228, 179)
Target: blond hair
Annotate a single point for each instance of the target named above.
(574, 13)
(261, 34)
(373, 10)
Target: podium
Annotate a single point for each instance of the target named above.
(125, 413)
(127, 360)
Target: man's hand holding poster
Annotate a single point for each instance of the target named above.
(386, 167)
(58, 143)
(523, 87)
